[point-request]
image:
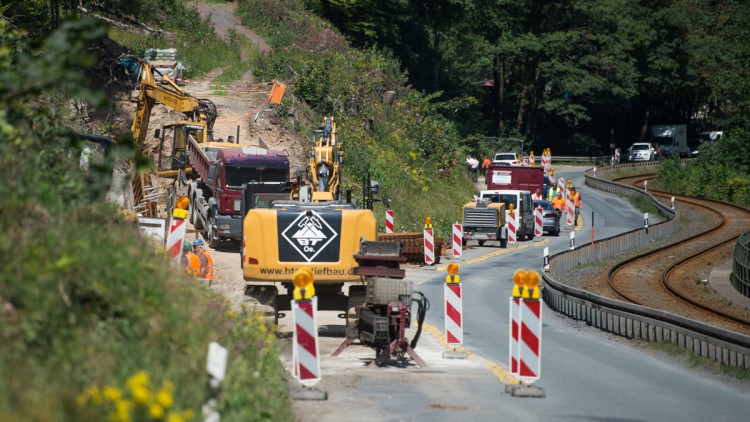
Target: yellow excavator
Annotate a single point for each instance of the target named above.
(323, 173)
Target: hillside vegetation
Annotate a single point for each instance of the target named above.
(94, 324)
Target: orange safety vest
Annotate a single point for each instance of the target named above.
(577, 200)
(558, 203)
(536, 197)
(207, 266)
(192, 264)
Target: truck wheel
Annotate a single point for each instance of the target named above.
(481, 242)
(503, 243)
(213, 236)
(463, 242)
(197, 222)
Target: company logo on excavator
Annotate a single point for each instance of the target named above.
(309, 234)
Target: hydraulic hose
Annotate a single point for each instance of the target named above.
(422, 306)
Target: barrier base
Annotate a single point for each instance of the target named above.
(452, 354)
(307, 393)
(525, 390)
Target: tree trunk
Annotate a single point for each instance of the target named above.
(536, 94)
(644, 128)
(500, 86)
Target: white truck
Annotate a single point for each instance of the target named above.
(484, 218)
(672, 139)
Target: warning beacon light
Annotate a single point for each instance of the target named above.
(304, 288)
(181, 211)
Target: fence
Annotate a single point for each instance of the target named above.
(635, 321)
(740, 277)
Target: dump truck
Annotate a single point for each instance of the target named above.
(515, 177)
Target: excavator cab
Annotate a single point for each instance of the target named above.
(173, 146)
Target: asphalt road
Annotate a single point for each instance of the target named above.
(586, 374)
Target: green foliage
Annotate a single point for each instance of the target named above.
(85, 300)
(401, 137)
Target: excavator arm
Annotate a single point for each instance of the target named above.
(148, 92)
(324, 166)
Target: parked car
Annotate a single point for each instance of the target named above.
(506, 159)
(550, 218)
(641, 151)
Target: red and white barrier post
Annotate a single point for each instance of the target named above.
(510, 217)
(454, 329)
(569, 213)
(530, 331)
(538, 226)
(389, 221)
(458, 234)
(177, 230)
(525, 334)
(429, 242)
(305, 346)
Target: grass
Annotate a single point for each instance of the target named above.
(643, 204)
(695, 361)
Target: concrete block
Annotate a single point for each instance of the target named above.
(307, 393)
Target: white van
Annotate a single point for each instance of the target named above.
(521, 201)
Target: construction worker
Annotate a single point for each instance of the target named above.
(576, 198)
(558, 203)
(486, 163)
(552, 192)
(191, 262)
(536, 196)
(207, 264)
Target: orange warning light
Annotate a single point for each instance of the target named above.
(452, 268)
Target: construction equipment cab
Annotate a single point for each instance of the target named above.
(522, 207)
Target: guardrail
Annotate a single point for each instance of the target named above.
(740, 277)
(629, 320)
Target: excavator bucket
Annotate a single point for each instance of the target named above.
(277, 93)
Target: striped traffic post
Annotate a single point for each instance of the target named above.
(305, 346)
(389, 221)
(429, 242)
(561, 187)
(510, 216)
(530, 330)
(531, 158)
(458, 234)
(569, 213)
(454, 329)
(515, 319)
(177, 230)
(538, 226)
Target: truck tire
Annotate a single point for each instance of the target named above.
(212, 237)
(503, 243)
(481, 242)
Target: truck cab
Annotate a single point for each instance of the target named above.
(522, 205)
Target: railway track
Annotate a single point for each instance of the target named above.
(672, 278)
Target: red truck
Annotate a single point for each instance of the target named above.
(223, 169)
(515, 178)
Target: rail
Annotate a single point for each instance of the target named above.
(630, 320)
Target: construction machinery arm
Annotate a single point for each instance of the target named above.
(324, 167)
(148, 92)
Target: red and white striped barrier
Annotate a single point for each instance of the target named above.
(454, 328)
(175, 240)
(531, 159)
(530, 340)
(525, 334)
(538, 226)
(306, 350)
(561, 187)
(429, 245)
(389, 221)
(512, 220)
(515, 316)
(569, 212)
(458, 234)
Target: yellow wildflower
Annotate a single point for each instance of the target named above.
(155, 411)
(122, 411)
(413, 156)
(111, 393)
(175, 417)
(140, 394)
(90, 394)
(188, 414)
(140, 379)
(164, 398)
